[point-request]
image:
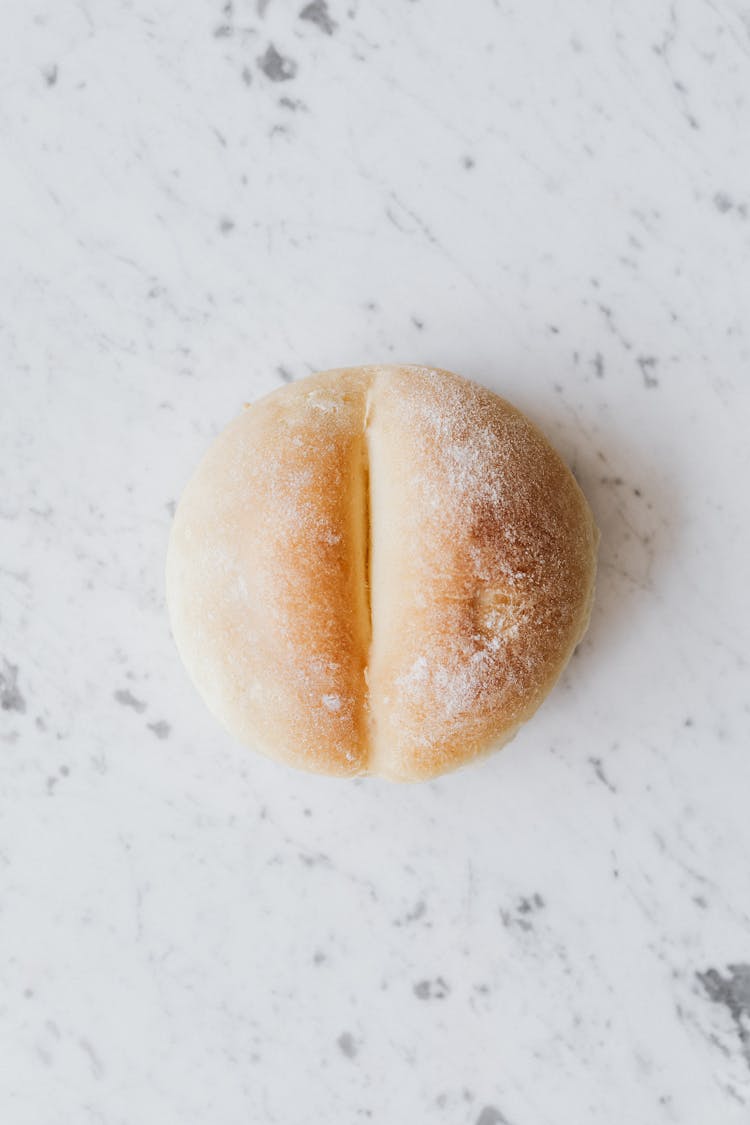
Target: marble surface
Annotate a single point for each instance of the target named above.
(200, 202)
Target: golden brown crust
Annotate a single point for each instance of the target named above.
(264, 576)
(379, 570)
(483, 558)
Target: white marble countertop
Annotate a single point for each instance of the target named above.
(199, 202)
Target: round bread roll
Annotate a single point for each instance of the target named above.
(379, 570)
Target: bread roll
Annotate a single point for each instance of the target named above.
(379, 570)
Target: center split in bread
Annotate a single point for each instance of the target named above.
(362, 547)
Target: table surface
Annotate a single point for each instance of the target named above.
(199, 203)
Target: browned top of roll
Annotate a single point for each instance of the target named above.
(379, 570)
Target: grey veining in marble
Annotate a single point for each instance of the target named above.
(201, 201)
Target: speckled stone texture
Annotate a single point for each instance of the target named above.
(199, 202)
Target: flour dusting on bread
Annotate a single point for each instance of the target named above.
(379, 569)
